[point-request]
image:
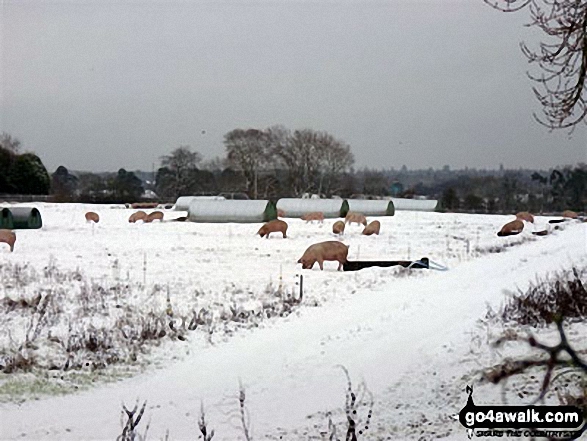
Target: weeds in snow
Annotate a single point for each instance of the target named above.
(503, 246)
(207, 434)
(244, 414)
(563, 295)
(61, 321)
(133, 419)
(354, 427)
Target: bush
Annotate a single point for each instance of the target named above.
(564, 295)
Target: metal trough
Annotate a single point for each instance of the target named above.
(357, 265)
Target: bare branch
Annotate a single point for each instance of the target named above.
(561, 57)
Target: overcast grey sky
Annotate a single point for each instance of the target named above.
(99, 85)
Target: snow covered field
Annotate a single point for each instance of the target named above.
(412, 339)
(212, 257)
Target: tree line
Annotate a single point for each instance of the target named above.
(277, 162)
(25, 174)
(523, 190)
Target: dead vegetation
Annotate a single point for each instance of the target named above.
(563, 370)
(62, 321)
(356, 400)
(503, 246)
(558, 371)
(130, 430)
(561, 295)
(353, 424)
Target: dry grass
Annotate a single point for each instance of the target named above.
(63, 321)
(561, 295)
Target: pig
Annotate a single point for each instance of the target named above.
(92, 217)
(280, 213)
(524, 215)
(311, 217)
(570, 214)
(137, 216)
(511, 228)
(319, 252)
(338, 227)
(372, 228)
(355, 217)
(274, 226)
(155, 215)
(8, 237)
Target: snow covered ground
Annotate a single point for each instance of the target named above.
(413, 340)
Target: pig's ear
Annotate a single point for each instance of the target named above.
(300, 261)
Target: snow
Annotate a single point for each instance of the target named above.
(406, 336)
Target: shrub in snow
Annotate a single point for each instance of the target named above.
(563, 295)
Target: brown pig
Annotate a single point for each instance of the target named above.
(155, 215)
(570, 214)
(139, 215)
(92, 217)
(8, 237)
(524, 215)
(310, 217)
(511, 228)
(319, 252)
(274, 226)
(355, 217)
(338, 227)
(372, 228)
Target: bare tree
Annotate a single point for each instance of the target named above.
(177, 170)
(315, 161)
(216, 164)
(561, 58)
(249, 152)
(299, 156)
(335, 159)
(279, 135)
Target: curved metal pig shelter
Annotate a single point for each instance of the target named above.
(231, 211)
(331, 208)
(414, 204)
(372, 207)
(26, 218)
